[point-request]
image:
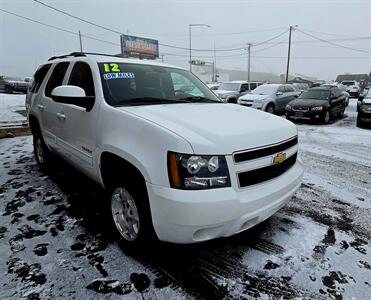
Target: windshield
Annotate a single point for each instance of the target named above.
(315, 94)
(230, 86)
(137, 84)
(265, 89)
(347, 83)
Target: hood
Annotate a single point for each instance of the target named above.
(225, 92)
(217, 128)
(308, 103)
(254, 97)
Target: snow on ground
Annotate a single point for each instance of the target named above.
(9, 105)
(55, 244)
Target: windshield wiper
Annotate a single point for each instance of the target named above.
(199, 99)
(149, 101)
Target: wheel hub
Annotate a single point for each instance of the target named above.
(125, 214)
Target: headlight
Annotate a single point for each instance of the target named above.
(288, 107)
(195, 172)
(317, 108)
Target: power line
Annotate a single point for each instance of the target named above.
(331, 43)
(161, 44)
(334, 34)
(58, 28)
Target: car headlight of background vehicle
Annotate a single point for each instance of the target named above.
(195, 172)
(317, 108)
(288, 107)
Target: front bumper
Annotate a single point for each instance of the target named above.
(364, 116)
(181, 216)
(252, 104)
(305, 115)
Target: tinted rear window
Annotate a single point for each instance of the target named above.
(56, 78)
(39, 78)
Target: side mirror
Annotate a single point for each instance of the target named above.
(70, 94)
(279, 94)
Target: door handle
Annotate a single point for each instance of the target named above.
(40, 107)
(61, 116)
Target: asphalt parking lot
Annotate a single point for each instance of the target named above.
(54, 243)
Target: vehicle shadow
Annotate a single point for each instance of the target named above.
(192, 268)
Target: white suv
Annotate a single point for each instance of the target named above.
(177, 162)
(352, 87)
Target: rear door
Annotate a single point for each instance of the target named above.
(49, 108)
(78, 126)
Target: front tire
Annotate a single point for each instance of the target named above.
(130, 213)
(270, 109)
(326, 118)
(8, 90)
(359, 122)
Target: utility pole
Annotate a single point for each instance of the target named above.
(288, 53)
(214, 65)
(80, 41)
(248, 62)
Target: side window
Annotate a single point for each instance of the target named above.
(39, 77)
(244, 87)
(81, 76)
(281, 89)
(253, 86)
(289, 89)
(56, 78)
(183, 84)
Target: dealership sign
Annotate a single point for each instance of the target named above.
(134, 46)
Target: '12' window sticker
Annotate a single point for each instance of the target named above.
(115, 72)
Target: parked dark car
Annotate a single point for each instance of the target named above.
(364, 110)
(13, 84)
(319, 104)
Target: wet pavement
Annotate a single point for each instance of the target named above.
(55, 244)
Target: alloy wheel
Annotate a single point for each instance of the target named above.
(125, 214)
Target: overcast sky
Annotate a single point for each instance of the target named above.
(24, 45)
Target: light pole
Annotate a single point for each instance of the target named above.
(190, 42)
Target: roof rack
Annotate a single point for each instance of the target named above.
(79, 54)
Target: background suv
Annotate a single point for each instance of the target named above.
(352, 87)
(271, 98)
(230, 91)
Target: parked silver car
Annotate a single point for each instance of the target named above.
(271, 98)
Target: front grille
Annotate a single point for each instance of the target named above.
(264, 151)
(263, 174)
(301, 109)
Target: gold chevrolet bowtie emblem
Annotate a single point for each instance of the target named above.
(279, 158)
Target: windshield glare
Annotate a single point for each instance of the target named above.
(265, 89)
(138, 84)
(315, 94)
(230, 86)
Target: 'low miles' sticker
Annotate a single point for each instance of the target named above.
(118, 75)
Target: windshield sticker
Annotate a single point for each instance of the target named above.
(118, 75)
(111, 68)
